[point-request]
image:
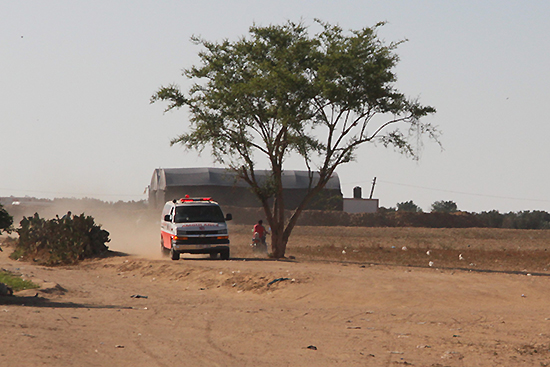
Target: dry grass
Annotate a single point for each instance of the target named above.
(491, 249)
(479, 249)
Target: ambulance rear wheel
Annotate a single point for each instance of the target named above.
(174, 255)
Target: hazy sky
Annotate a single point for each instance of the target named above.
(76, 78)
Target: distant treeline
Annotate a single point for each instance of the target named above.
(492, 219)
(535, 219)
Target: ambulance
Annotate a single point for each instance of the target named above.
(194, 226)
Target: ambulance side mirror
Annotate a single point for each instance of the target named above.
(228, 216)
(167, 218)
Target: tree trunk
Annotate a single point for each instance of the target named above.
(280, 229)
(281, 249)
(278, 244)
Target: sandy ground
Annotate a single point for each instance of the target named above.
(201, 312)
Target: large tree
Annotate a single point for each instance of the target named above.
(280, 91)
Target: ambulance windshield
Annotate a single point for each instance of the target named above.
(199, 213)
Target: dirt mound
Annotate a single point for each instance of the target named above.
(200, 277)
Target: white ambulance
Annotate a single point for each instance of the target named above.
(194, 226)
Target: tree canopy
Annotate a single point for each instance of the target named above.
(408, 206)
(280, 91)
(444, 206)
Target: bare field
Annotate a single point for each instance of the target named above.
(346, 296)
(465, 248)
(474, 249)
(137, 231)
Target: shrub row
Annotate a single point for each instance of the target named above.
(63, 240)
(527, 219)
(493, 219)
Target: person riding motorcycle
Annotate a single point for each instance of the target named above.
(259, 236)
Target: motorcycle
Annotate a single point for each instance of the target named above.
(258, 244)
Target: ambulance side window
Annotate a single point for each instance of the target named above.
(167, 210)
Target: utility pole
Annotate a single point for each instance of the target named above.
(372, 189)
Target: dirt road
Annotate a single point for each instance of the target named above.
(222, 313)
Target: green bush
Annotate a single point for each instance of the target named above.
(65, 240)
(6, 220)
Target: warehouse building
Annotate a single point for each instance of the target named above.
(226, 188)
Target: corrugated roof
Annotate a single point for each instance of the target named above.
(207, 176)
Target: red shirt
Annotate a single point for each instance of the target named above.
(260, 229)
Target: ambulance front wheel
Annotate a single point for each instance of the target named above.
(174, 255)
(224, 254)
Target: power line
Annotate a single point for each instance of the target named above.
(452, 191)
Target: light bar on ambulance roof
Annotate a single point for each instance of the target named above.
(187, 199)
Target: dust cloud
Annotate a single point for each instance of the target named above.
(133, 227)
(132, 232)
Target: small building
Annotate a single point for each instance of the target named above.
(227, 188)
(359, 205)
